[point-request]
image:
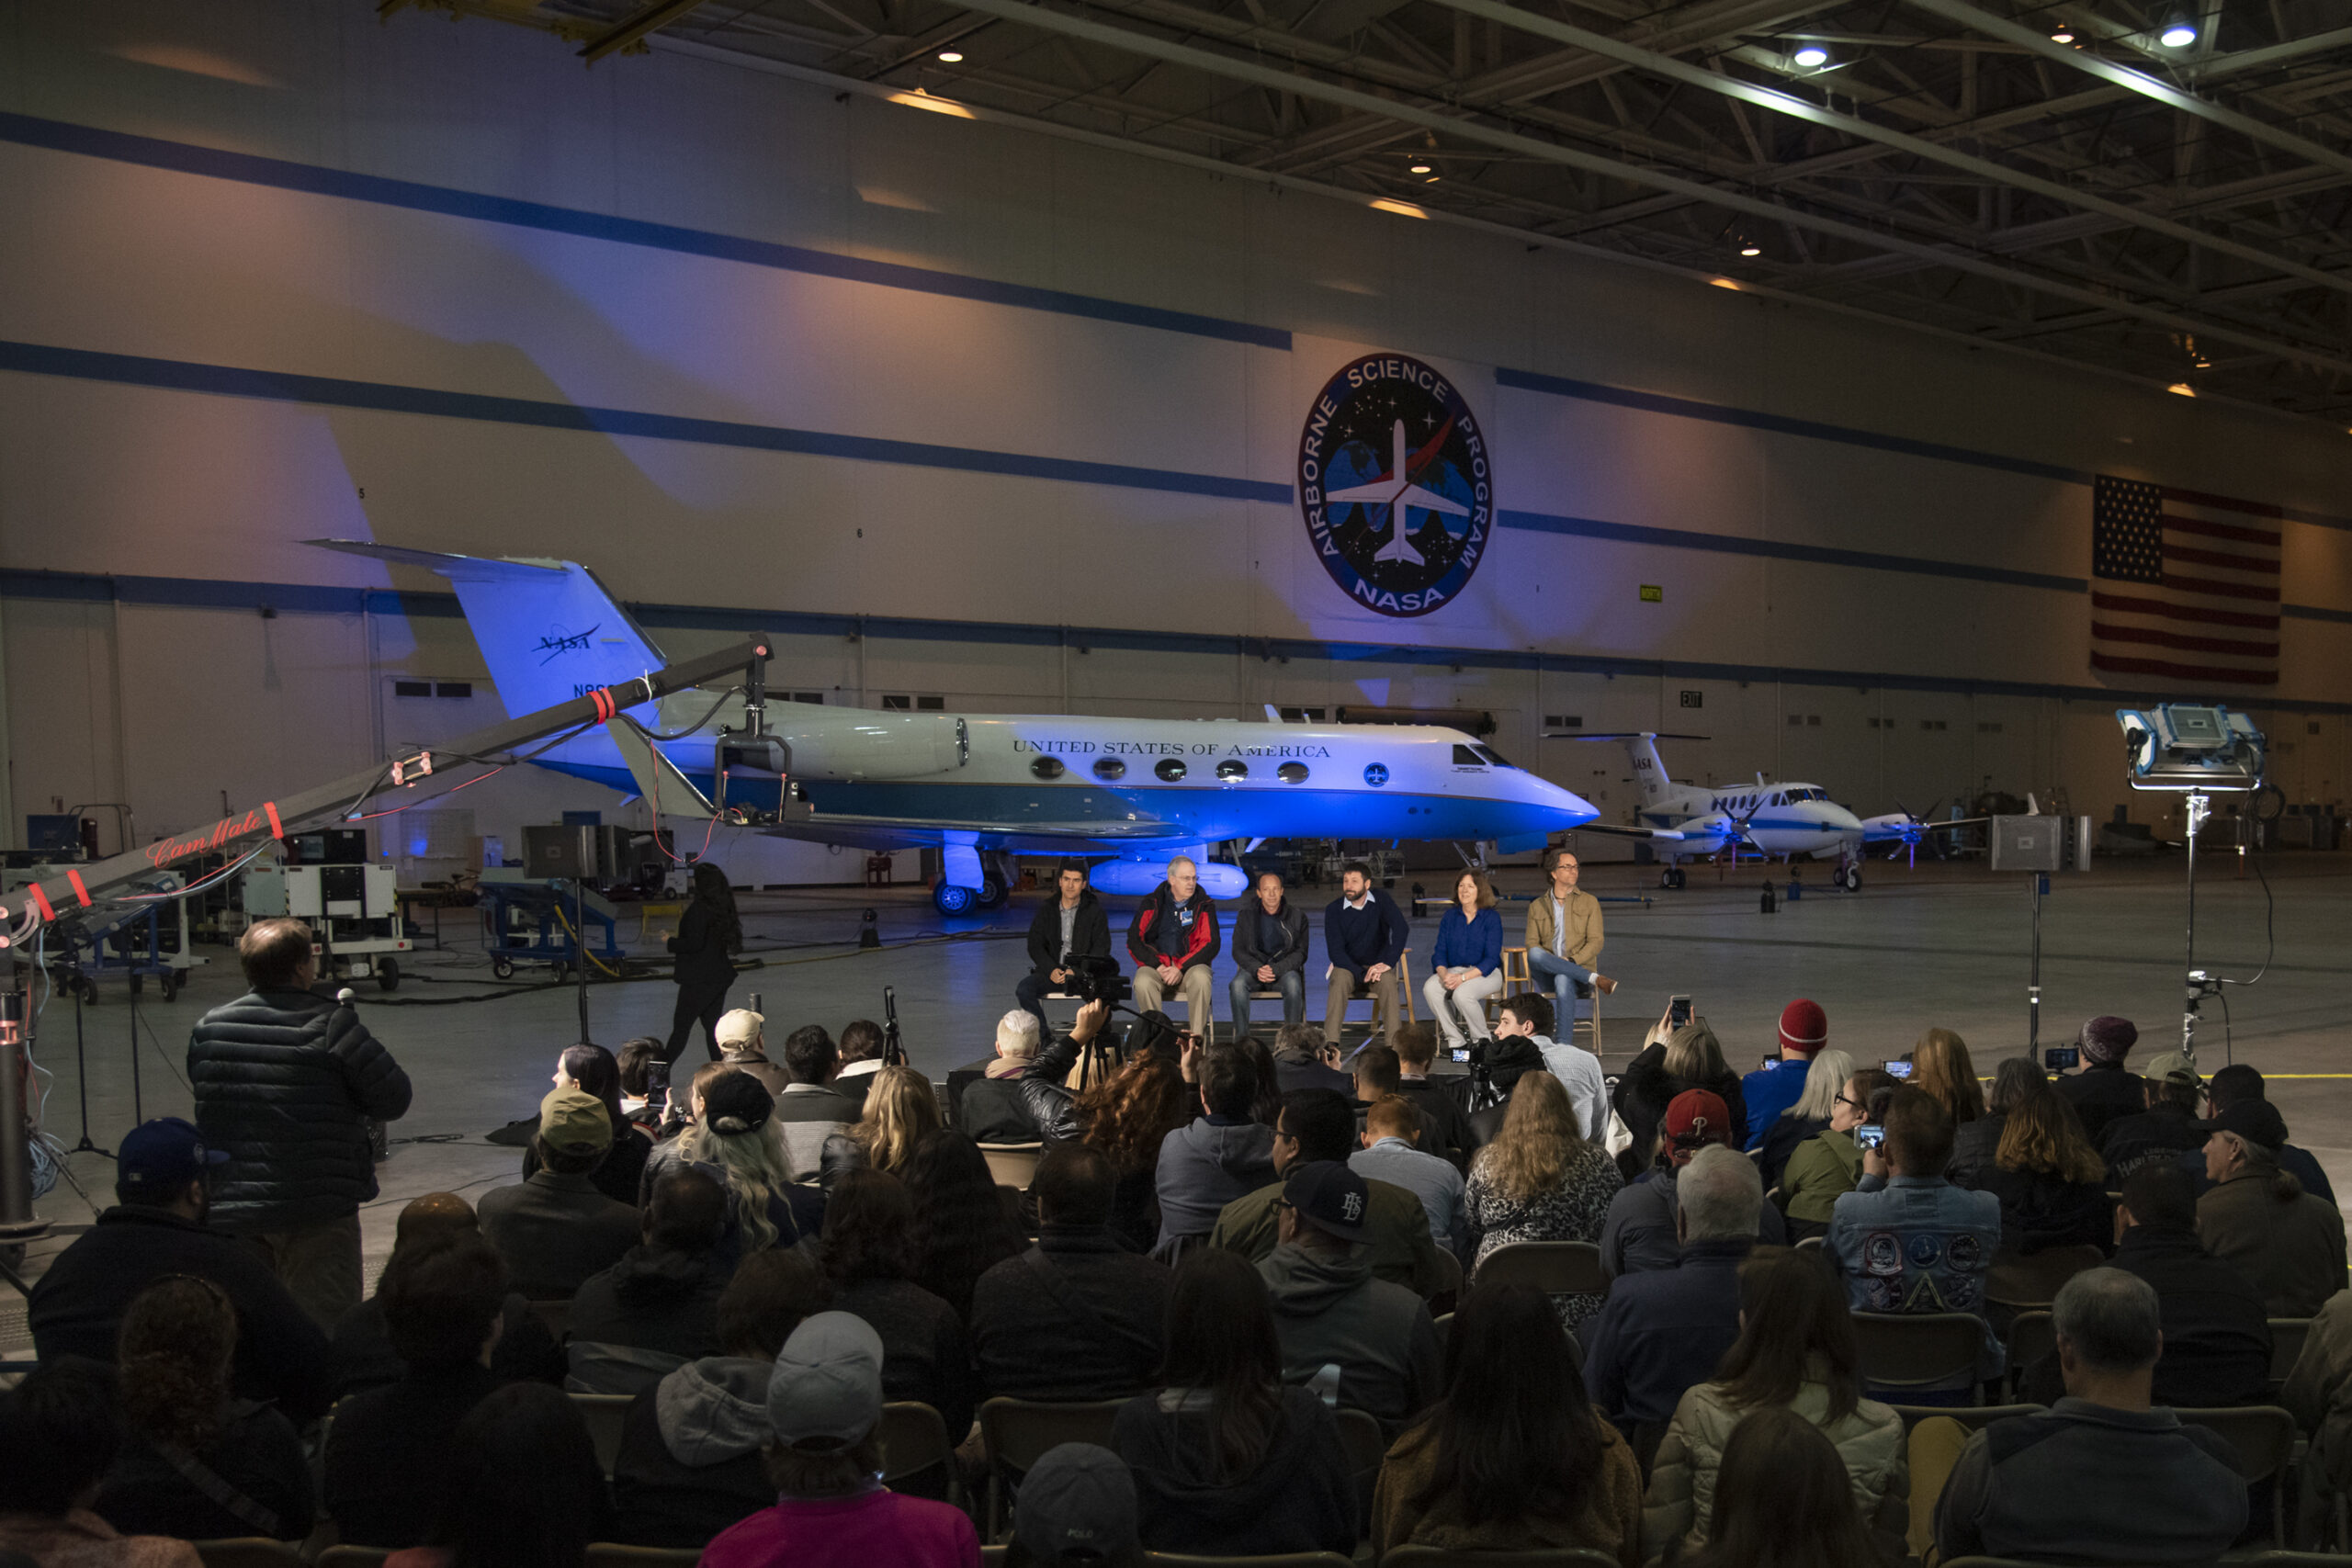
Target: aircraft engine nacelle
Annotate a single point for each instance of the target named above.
(1136, 878)
(864, 745)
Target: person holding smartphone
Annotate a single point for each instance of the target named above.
(1775, 1086)
(1829, 1164)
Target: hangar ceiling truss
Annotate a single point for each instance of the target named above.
(2053, 180)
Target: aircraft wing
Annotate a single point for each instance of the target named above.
(1656, 835)
(1430, 500)
(1381, 493)
(1030, 838)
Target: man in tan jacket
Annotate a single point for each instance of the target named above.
(1564, 934)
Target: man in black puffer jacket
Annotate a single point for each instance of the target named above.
(285, 1082)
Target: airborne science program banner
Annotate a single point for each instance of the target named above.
(1395, 483)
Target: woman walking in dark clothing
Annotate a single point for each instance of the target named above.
(707, 936)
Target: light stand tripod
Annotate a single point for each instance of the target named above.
(82, 1082)
(2199, 985)
(2037, 883)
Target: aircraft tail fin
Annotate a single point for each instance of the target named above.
(1641, 751)
(547, 629)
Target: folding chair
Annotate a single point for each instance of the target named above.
(2033, 1282)
(1974, 1416)
(604, 1413)
(1556, 1268)
(913, 1439)
(249, 1552)
(1920, 1351)
(1018, 1432)
(2032, 1336)
(1012, 1165)
(1362, 1441)
(2287, 1337)
(2264, 1436)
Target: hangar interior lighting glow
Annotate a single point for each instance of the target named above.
(2179, 33)
(951, 57)
(1812, 56)
(919, 99)
(1402, 208)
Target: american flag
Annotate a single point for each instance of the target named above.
(2185, 586)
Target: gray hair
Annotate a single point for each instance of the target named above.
(2110, 1319)
(1719, 1194)
(1017, 1033)
(1824, 1082)
(1182, 861)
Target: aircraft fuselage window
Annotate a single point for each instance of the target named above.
(1292, 772)
(1169, 771)
(1110, 769)
(1046, 767)
(1232, 769)
(1464, 757)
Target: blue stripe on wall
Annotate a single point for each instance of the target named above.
(2317, 612)
(1782, 424)
(91, 588)
(1726, 543)
(179, 375)
(58, 136)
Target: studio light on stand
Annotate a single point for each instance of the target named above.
(2194, 751)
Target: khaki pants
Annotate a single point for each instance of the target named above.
(319, 1266)
(1193, 986)
(1936, 1443)
(1343, 988)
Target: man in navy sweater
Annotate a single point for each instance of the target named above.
(1365, 934)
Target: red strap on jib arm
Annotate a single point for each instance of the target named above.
(606, 707)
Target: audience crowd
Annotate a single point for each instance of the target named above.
(1310, 1298)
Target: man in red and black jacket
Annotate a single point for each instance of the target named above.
(1172, 940)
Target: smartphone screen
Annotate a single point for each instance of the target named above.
(2058, 1058)
(1896, 1069)
(1869, 1135)
(1771, 1062)
(1677, 1011)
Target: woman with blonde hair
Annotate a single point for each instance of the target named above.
(2050, 1182)
(1678, 1059)
(1466, 966)
(1540, 1180)
(736, 1136)
(1939, 1065)
(900, 1111)
(1809, 1117)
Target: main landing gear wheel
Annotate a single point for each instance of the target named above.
(992, 889)
(1672, 878)
(950, 899)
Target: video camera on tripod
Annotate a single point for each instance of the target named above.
(1096, 980)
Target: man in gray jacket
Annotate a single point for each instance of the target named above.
(2103, 1475)
(1206, 1164)
(286, 1082)
(1331, 1314)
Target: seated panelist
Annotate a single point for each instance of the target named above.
(1269, 952)
(1072, 926)
(1365, 934)
(1173, 940)
(1467, 966)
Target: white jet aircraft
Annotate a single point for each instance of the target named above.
(1392, 493)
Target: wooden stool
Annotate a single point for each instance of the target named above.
(1518, 976)
(1363, 993)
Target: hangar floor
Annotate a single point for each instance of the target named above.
(1941, 944)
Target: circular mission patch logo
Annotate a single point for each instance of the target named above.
(1394, 481)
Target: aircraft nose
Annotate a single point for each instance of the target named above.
(1844, 820)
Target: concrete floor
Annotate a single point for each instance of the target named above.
(1938, 945)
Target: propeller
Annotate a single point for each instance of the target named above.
(1915, 829)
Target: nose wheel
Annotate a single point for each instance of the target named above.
(1849, 877)
(1672, 878)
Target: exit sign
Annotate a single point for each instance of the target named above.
(1694, 699)
(1652, 593)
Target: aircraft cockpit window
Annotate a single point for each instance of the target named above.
(1292, 772)
(1110, 770)
(1467, 757)
(1170, 770)
(1046, 767)
(1494, 757)
(1233, 770)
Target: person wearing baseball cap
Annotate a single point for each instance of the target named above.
(1077, 1509)
(743, 1044)
(1639, 1233)
(1772, 1088)
(2100, 1087)
(1329, 1308)
(2257, 1217)
(158, 1228)
(825, 1461)
(554, 1229)
(2165, 1128)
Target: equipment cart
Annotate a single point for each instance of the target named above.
(133, 940)
(352, 910)
(538, 922)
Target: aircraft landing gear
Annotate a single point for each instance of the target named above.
(1672, 878)
(992, 889)
(1849, 877)
(950, 899)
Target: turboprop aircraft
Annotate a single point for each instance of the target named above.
(1781, 820)
(1128, 793)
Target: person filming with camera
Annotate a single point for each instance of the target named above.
(1071, 928)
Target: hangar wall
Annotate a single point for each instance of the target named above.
(967, 412)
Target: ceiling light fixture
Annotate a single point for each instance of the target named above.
(2182, 390)
(1750, 248)
(2179, 33)
(1432, 179)
(2061, 34)
(951, 57)
(1402, 208)
(1421, 166)
(919, 99)
(1812, 56)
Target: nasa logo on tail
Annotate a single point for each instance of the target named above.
(1395, 485)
